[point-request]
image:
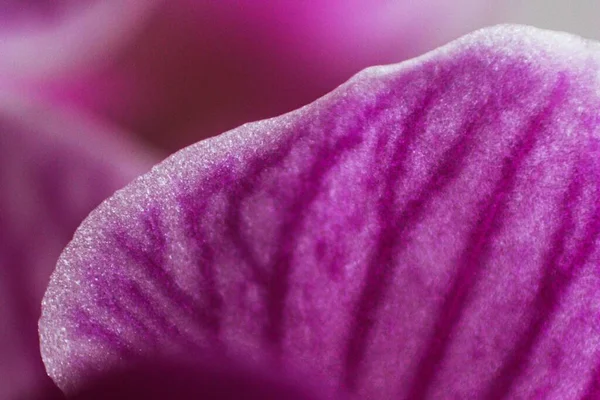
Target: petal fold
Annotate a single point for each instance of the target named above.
(42, 39)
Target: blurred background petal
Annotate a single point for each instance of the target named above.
(54, 169)
(43, 39)
(177, 71)
(198, 68)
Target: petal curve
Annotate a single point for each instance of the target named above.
(428, 230)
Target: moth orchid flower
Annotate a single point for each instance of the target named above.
(427, 230)
(54, 168)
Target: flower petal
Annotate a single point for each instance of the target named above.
(54, 169)
(429, 229)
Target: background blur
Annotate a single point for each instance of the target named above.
(581, 17)
(174, 72)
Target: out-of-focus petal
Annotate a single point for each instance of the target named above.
(42, 39)
(428, 230)
(54, 169)
(202, 67)
(339, 32)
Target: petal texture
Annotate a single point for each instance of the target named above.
(54, 169)
(428, 230)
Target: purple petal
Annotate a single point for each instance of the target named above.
(54, 169)
(429, 229)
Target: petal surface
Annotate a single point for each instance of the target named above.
(54, 169)
(428, 230)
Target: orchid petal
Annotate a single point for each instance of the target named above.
(54, 169)
(428, 230)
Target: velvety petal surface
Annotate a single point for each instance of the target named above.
(199, 68)
(54, 169)
(428, 230)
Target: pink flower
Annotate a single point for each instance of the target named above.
(428, 230)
